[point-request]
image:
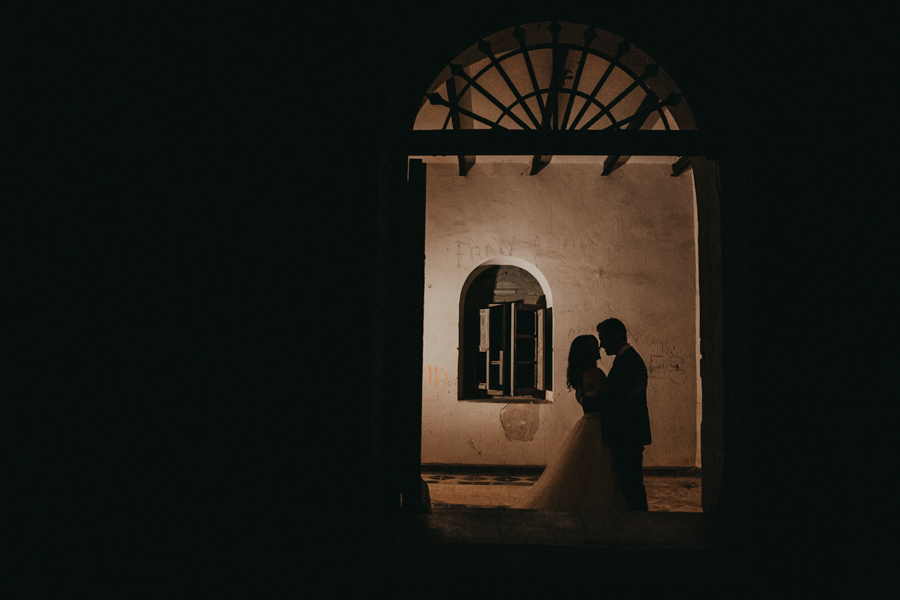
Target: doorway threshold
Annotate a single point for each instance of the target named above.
(524, 551)
(619, 530)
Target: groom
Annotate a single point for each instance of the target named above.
(623, 409)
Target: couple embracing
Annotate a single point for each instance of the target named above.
(599, 465)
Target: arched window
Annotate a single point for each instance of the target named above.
(506, 337)
(553, 76)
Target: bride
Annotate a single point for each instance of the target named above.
(581, 476)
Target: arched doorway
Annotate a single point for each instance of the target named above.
(567, 94)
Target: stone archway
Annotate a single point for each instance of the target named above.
(672, 118)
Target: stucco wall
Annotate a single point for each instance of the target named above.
(617, 246)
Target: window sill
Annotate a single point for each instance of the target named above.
(509, 400)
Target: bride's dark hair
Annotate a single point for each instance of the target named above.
(581, 358)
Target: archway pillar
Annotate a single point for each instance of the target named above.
(709, 259)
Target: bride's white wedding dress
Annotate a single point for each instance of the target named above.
(580, 477)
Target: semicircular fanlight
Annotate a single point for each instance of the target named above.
(553, 76)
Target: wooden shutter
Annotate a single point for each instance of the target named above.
(539, 342)
(511, 340)
(491, 343)
(525, 366)
(485, 330)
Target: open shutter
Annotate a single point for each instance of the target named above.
(525, 323)
(514, 347)
(491, 344)
(485, 333)
(539, 382)
(484, 348)
(513, 333)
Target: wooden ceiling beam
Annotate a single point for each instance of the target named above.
(681, 165)
(514, 142)
(538, 162)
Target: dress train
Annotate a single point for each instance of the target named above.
(580, 478)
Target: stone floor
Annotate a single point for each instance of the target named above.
(473, 544)
(676, 492)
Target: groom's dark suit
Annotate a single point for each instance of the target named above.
(625, 422)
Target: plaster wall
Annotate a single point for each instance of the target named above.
(616, 246)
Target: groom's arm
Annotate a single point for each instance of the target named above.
(626, 380)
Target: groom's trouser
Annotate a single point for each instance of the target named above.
(629, 463)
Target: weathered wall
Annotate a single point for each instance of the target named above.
(621, 245)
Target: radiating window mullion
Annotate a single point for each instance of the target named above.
(485, 48)
(649, 72)
(623, 48)
(436, 98)
(671, 99)
(459, 72)
(589, 35)
(519, 34)
(607, 110)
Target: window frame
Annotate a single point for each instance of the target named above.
(494, 349)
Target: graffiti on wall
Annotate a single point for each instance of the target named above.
(467, 254)
(437, 377)
(565, 253)
(667, 363)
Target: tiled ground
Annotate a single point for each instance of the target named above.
(665, 493)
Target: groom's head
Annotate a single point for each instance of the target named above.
(612, 335)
